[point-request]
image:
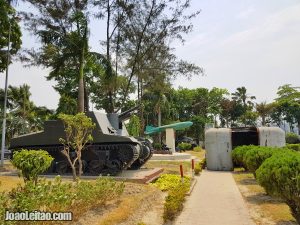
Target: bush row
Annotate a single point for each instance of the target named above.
(292, 138)
(295, 147)
(251, 157)
(60, 196)
(184, 146)
(176, 193)
(280, 176)
(276, 169)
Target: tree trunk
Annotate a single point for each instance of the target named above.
(80, 103)
(80, 167)
(73, 172)
(109, 66)
(86, 98)
(159, 123)
(263, 120)
(299, 127)
(294, 209)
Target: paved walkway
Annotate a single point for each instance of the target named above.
(215, 200)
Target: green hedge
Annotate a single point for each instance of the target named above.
(238, 155)
(292, 138)
(295, 147)
(258, 154)
(176, 193)
(197, 149)
(280, 176)
(184, 146)
(31, 163)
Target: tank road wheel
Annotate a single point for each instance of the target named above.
(114, 166)
(95, 167)
(62, 167)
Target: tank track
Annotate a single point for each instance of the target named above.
(146, 154)
(104, 159)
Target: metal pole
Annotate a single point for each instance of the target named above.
(5, 98)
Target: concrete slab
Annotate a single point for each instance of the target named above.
(215, 200)
(175, 156)
(142, 175)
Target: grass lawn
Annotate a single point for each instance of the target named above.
(9, 182)
(173, 166)
(264, 209)
(200, 155)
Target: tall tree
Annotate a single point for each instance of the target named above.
(216, 95)
(242, 98)
(289, 103)
(146, 36)
(23, 116)
(264, 110)
(10, 33)
(62, 27)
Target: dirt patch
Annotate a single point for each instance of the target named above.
(264, 209)
(9, 182)
(139, 204)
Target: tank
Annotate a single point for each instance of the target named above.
(219, 143)
(111, 151)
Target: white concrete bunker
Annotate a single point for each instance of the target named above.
(219, 143)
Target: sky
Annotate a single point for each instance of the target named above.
(251, 43)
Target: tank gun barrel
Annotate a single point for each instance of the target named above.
(125, 115)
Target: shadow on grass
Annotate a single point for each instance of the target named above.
(248, 181)
(286, 222)
(263, 198)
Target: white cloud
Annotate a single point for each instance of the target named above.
(273, 25)
(246, 13)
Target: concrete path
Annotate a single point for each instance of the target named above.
(215, 200)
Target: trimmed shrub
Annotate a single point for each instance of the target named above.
(157, 146)
(174, 202)
(176, 193)
(238, 155)
(197, 149)
(197, 169)
(202, 163)
(167, 181)
(295, 147)
(31, 163)
(280, 176)
(254, 157)
(292, 138)
(184, 146)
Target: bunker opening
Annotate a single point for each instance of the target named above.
(244, 136)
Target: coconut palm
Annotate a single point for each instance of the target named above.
(243, 98)
(22, 106)
(264, 110)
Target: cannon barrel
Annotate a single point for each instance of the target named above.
(125, 115)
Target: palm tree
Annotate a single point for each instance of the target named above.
(22, 106)
(242, 97)
(245, 101)
(264, 110)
